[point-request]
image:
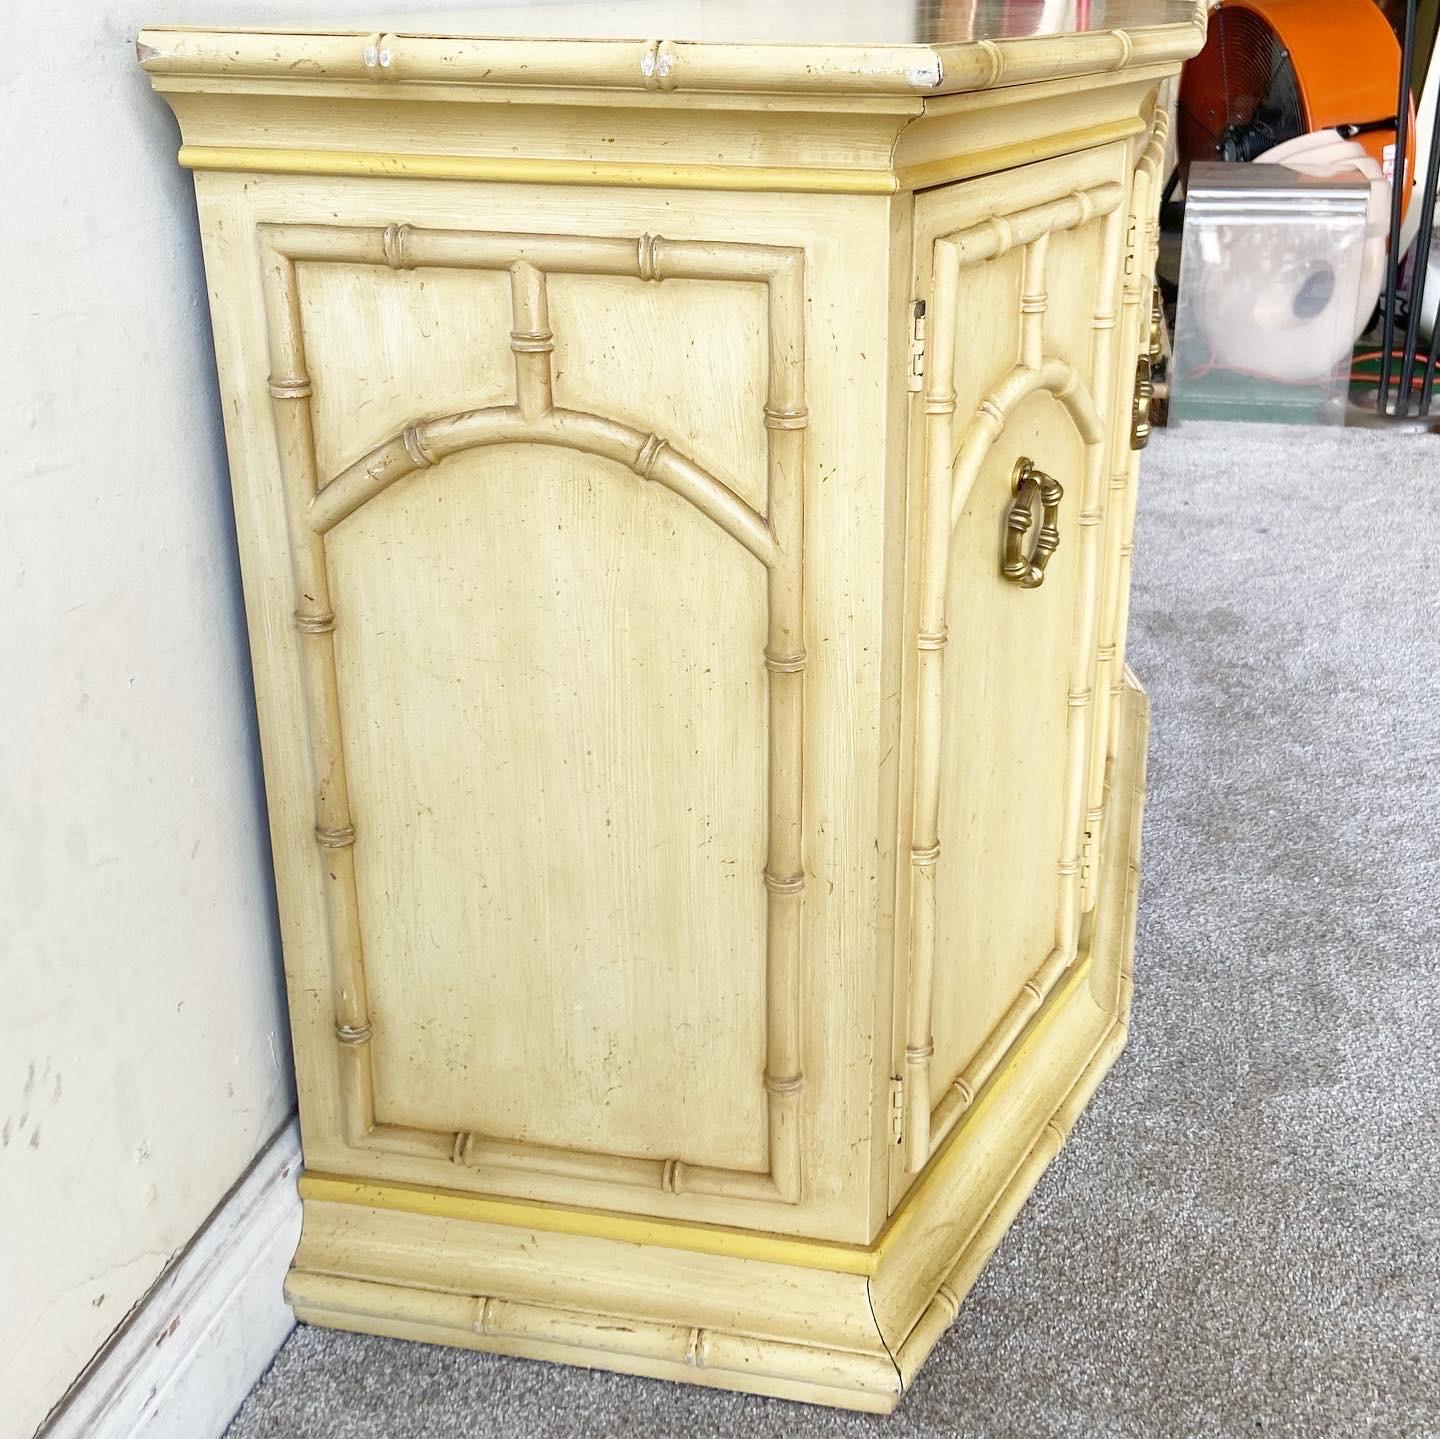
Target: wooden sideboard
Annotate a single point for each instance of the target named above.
(685, 490)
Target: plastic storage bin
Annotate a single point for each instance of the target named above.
(1270, 285)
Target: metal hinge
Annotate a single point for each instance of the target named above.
(1087, 860)
(916, 379)
(897, 1108)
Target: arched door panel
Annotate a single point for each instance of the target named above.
(544, 640)
(1020, 277)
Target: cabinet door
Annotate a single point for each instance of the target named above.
(1134, 335)
(1020, 278)
(553, 711)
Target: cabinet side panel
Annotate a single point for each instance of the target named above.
(843, 480)
(379, 343)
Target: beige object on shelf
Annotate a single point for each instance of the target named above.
(707, 877)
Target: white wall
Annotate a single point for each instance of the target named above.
(143, 1055)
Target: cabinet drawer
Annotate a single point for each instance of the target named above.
(1020, 279)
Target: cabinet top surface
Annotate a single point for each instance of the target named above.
(752, 22)
(900, 47)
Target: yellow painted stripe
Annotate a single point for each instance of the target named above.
(837, 1258)
(929, 173)
(265, 160)
(593, 1224)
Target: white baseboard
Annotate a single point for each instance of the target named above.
(181, 1364)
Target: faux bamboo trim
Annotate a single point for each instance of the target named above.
(1001, 233)
(950, 473)
(1125, 988)
(312, 623)
(776, 539)
(708, 1238)
(314, 618)
(1142, 249)
(535, 170)
(647, 456)
(1090, 546)
(670, 1176)
(661, 65)
(1119, 998)
(969, 1082)
(949, 1154)
(1141, 246)
(483, 1321)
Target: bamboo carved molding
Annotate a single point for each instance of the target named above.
(774, 538)
(494, 1320)
(1141, 251)
(951, 469)
(661, 65)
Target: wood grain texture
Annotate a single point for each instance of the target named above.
(840, 716)
(1014, 771)
(706, 882)
(762, 1317)
(533, 419)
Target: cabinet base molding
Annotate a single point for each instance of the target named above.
(844, 1325)
(692, 1354)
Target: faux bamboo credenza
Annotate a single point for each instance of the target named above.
(685, 491)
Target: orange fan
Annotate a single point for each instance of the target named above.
(1275, 69)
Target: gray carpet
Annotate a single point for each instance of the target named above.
(1243, 1234)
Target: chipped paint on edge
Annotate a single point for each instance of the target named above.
(927, 76)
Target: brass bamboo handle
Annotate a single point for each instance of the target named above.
(1028, 571)
(1140, 406)
(1145, 375)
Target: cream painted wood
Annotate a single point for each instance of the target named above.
(1014, 681)
(683, 833)
(1143, 249)
(847, 593)
(503, 1008)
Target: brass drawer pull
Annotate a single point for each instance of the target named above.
(1028, 571)
(1144, 374)
(1140, 410)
